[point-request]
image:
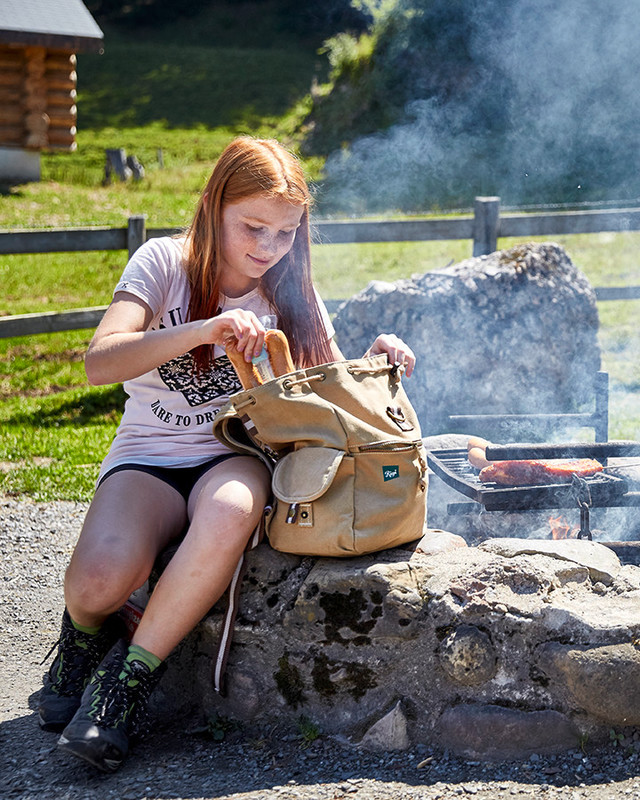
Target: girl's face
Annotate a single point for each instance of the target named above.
(256, 233)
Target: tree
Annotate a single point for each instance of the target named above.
(534, 100)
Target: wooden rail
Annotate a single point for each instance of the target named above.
(483, 229)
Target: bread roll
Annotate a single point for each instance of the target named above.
(279, 354)
(245, 370)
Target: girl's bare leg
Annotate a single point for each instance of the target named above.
(224, 508)
(132, 517)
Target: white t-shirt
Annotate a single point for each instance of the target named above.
(169, 412)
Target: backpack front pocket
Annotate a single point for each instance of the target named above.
(313, 514)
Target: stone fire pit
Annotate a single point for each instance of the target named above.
(505, 649)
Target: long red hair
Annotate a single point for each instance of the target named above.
(249, 167)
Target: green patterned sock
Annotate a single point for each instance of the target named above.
(137, 653)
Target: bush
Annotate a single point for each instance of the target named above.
(533, 100)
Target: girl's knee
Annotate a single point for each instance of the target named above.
(224, 526)
(225, 509)
(99, 586)
(236, 502)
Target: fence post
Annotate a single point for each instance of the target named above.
(601, 424)
(486, 215)
(136, 232)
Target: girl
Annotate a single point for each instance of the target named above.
(245, 255)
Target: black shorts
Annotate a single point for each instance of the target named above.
(182, 479)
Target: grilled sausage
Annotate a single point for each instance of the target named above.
(476, 441)
(476, 452)
(477, 458)
(531, 472)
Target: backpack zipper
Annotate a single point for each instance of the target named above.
(386, 447)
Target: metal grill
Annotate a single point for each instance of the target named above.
(453, 467)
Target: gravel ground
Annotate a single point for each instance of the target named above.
(36, 541)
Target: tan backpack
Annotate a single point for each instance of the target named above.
(344, 444)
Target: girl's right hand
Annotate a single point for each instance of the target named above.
(237, 324)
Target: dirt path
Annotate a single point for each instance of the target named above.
(36, 541)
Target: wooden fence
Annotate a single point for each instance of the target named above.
(483, 228)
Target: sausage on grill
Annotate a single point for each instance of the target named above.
(532, 472)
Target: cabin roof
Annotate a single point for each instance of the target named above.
(63, 24)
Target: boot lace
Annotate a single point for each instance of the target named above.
(120, 695)
(78, 655)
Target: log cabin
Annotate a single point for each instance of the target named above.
(39, 40)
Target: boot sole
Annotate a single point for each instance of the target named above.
(87, 751)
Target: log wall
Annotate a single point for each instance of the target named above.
(37, 98)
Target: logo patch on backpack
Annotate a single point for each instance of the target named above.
(389, 473)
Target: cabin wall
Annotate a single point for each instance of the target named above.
(37, 106)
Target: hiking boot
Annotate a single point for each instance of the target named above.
(112, 710)
(78, 655)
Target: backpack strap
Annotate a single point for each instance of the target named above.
(236, 431)
(221, 654)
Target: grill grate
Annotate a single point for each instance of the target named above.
(453, 467)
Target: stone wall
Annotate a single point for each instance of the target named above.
(500, 650)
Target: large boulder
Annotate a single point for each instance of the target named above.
(512, 332)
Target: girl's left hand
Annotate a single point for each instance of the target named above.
(398, 352)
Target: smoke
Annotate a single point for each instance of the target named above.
(543, 107)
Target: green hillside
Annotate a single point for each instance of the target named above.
(187, 86)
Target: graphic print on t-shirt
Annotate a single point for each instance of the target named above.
(180, 374)
(218, 380)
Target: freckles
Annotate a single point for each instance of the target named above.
(235, 238)
(265, 242)
(237, 231)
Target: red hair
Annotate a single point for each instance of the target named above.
(250, 167)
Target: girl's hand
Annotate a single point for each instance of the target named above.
(398, 352)
(237, 324)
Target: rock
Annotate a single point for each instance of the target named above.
(388, 733)
(354, 600)
(435, 541)
(491, 732)
(446, 441)
(276, 579)
(468, 657)
(480, 330)
(603, 564)
(601, 681)
(460, 645)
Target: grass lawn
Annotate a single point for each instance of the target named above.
(189, 98)
(56, 428)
